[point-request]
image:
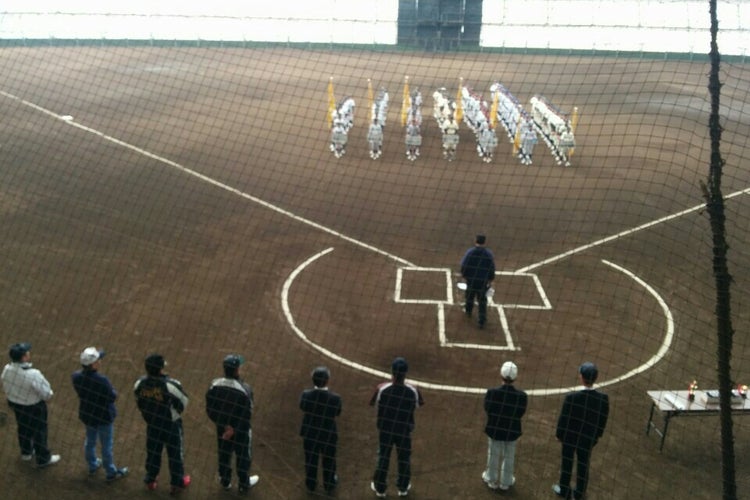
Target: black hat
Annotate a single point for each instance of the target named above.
(588, 371)
(481, 239)
(233, 361)
(399, 366)
(154, 363)
(18, 351)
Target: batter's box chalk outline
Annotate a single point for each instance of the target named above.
(509, 345)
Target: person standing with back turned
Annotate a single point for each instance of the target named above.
(478, 269)
(161, 401)
(504, 405)
(581, 423)
(396, 401)
(320, 406)
(96, 409)
(229, 405)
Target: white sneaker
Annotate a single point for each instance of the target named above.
(404, 493)
(251, 481)
(27, 458)
(493, 485)
(506, 487)
(53, 459)
(372, 487)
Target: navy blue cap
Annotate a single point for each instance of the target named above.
(233, 361)
(399, 366)
(17, 351)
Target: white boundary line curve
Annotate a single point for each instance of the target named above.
(669, 335)
(68, 120)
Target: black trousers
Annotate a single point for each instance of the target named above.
(167, 436)
(323, 450)
(32, 430)
(569, 453)
(403, 453)
(477, 290)
(240, 445)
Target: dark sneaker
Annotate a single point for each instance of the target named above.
(177, 489)
(226, 485)
(119, 474)
(557, 490)
(330, 487)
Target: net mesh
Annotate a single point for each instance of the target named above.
(184, 199)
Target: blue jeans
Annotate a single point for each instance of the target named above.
(105, 434)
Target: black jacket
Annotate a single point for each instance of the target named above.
(230, 402)
(504, 405)
(583, 418)
(320, 407)
(396, 402)
(160, 399)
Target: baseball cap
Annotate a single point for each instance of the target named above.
(233, 361)
(481, 239)
(17, 351)
(588, 371)
(91, 355)
(399, 366)
(154, 363)
(509, 370)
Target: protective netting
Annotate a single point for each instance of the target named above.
(185, 199)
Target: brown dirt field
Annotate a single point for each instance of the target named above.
(172, 213)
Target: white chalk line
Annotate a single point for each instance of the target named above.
(332, 355)
(69, 121)
(625, 233)
(664, 348)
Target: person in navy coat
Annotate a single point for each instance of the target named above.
(320, 406)
(581, 423)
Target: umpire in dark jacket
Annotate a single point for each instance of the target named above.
(478, 269)
(229, 405)
(319, 435)
(581, 423)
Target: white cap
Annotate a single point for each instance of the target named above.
(91, 355)
(509, 370)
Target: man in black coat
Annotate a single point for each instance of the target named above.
(579, 427)
(229, 405)
(504, 405)
(319, 435)
(396, 401)
(478, 269)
